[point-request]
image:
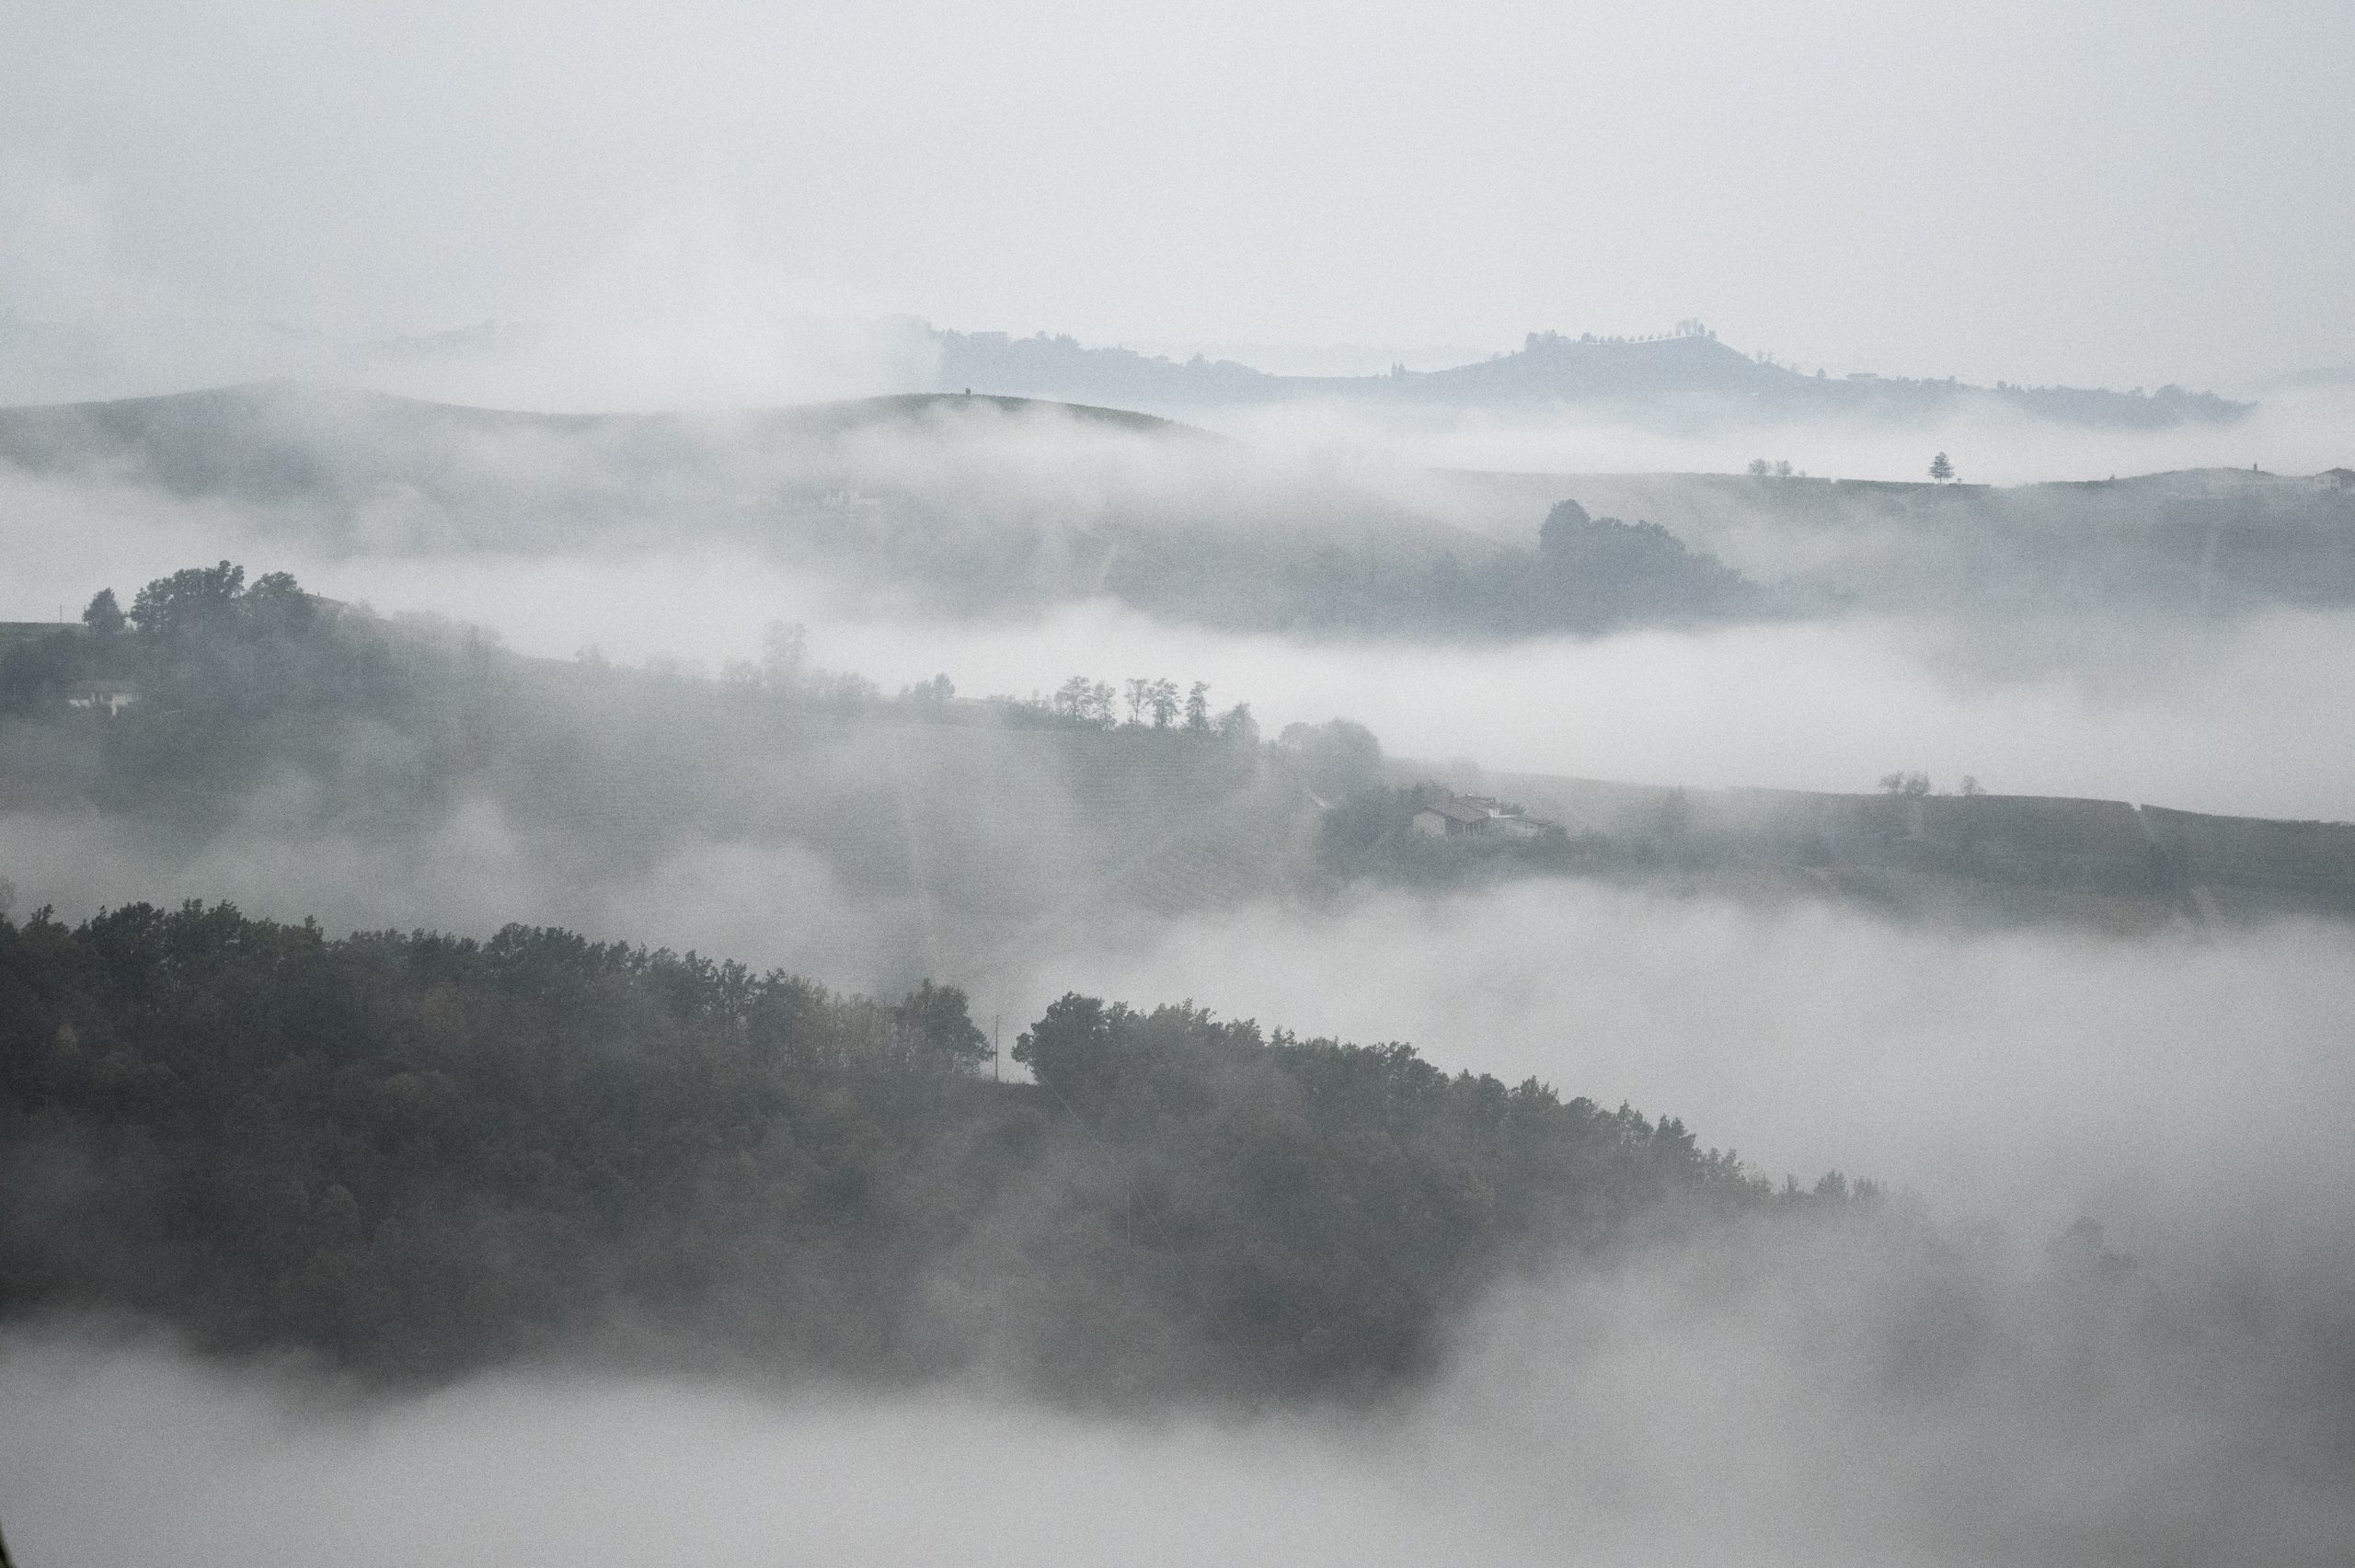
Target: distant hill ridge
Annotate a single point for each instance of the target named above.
(277, 439)
(184, 438)
(1689, 372)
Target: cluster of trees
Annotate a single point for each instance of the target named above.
(1600, 570)
(1584, 575)
(417, 1154)
(1917, 785)
(207, 682)
(1335, 759)
(199, 631)
(1151, 703)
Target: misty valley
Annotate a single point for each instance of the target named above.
(430, 1012)
(1096, 955)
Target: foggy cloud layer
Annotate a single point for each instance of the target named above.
(1837, 1400)
(2054, 1258)
(183, 196)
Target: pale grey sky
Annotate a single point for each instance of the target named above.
(2054, 191)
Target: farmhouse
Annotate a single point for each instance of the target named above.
(1454, 816)
(1449, 817)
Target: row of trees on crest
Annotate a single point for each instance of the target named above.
(1151, 702)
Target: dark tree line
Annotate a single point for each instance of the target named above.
(414, 1154)
(1585, 575)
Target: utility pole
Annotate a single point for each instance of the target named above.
(995, 1019)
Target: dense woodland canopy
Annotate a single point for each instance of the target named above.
(414, 1155)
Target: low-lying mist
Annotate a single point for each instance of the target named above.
(2046, 1070)
(1835, 1397)
(2113, 706)
(2292, 429)
(2043, 1072)
(692, 874)
(2102, 1321)
(1977, 1376)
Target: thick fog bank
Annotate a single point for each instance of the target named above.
(1841, 1395)
(2165, 711)
(2045, 1071)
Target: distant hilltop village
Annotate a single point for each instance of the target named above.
(1687, 368)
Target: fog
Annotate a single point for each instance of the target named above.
(584, 367)
(2021, 191)
(1838, 1402)
(2046, 1074)
(2292, 429)
(1975, 1383)
(2126, 701)
(2041, 1071)
(1981, 1395)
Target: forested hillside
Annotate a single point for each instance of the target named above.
(414, 1155)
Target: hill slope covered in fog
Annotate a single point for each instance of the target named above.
(2189, 546)
(1001, 509)
(970, 506)
(248, 739)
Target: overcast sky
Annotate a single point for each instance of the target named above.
(2038, 190)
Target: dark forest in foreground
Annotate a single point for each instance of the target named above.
(416, 1155)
